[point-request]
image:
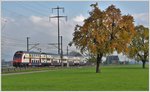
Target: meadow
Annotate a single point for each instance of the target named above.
(111, 78)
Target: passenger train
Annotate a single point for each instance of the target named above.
(24, 58)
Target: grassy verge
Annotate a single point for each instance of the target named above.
(129, 77)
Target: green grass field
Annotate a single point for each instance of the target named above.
(121, 78)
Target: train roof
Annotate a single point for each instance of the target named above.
(32, 52)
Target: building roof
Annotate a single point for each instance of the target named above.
(112, 58)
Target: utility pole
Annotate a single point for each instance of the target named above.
(67, 56)
(61, 51)
(67, 50)
(34, 45)
(58, 17)
(27, 44)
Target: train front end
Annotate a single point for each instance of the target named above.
(17, 59)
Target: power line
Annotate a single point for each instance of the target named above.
(30, 9)
(40, 4)
(14, 12)
(11, 38)
(35, 7)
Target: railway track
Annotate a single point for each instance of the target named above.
(17, 73)
(9, 70)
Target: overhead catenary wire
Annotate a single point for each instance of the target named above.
(12, 12)
(43, 5)
(24, 7)
(11, 38)
(30, 8)
(40, 7)
(10, 41)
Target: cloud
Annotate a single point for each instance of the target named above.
(3, 20)
(50, 27)
(79, 18)
(40, 30)
(35, 19)
(141, 19)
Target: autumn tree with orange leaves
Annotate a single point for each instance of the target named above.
(104, 32)
(139, 46)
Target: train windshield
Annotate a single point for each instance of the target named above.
(17, 55)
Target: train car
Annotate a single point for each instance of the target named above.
(56, 61)
(24, 58)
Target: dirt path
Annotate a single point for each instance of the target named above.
(25, 72)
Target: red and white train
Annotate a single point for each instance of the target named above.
(24, 58)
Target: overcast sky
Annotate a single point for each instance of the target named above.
(31, 19)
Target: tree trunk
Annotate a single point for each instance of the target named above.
(143, 64)
(99, 57)
(97, 64)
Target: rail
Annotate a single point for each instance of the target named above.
(23, 69)
(28, 69)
